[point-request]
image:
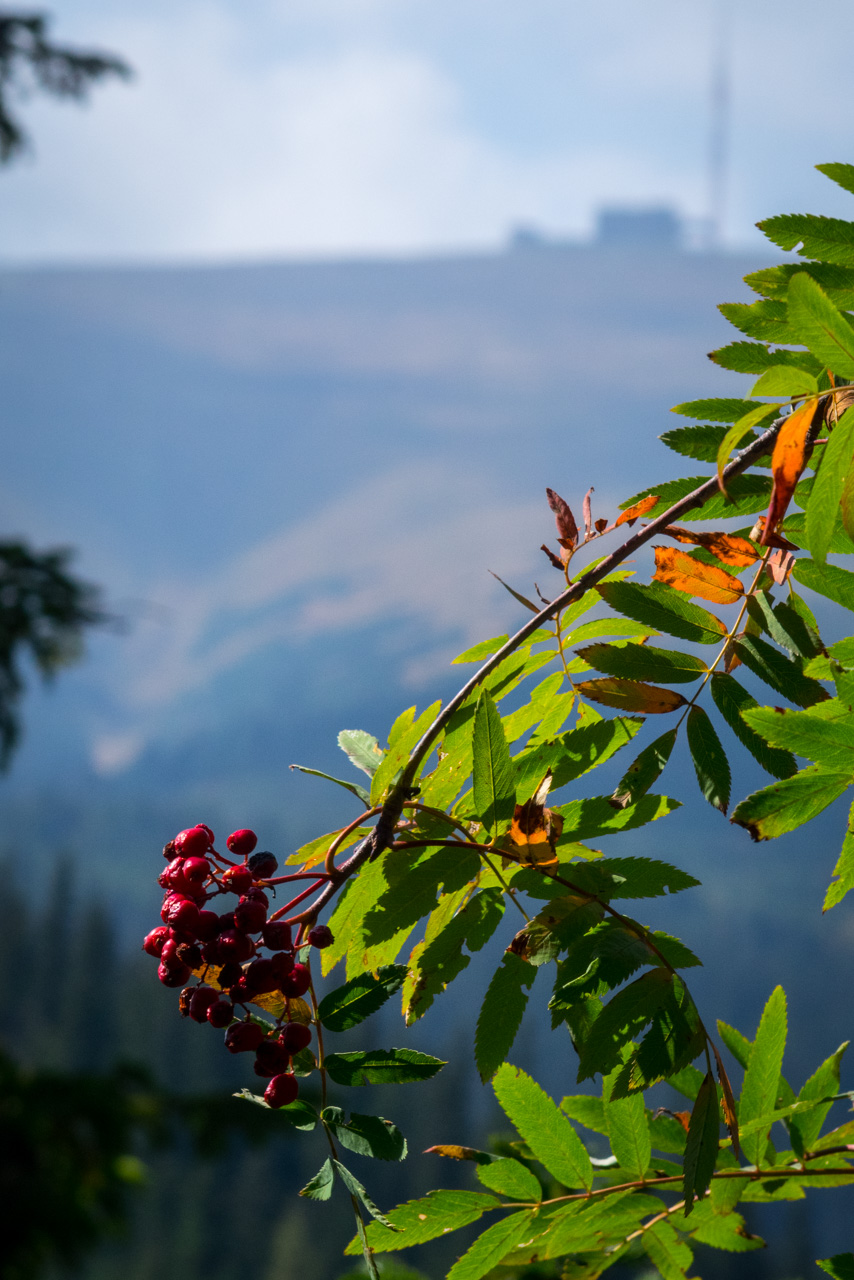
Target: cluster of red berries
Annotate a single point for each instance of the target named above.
(225, 949)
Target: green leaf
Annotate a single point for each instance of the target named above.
(733, 700)
(785, 675)
(298, 1115)
(622, 1018)
(828, 580)
(510, 1178)
(766, 320)
(738, 1044)
(635, 877)
(762, 1077)
(674, 1038)
(828, 239)
(841, 1266)
(843, 872)
(489, 1248)
(503, 1006)
(359, 792)
(320, 1186)
(823, 1083)
(829, 743)
(554, 928)
(754, 357)
(400, 747)
(843, 176)
(418, 1221)
(837, 282)
(493, 780)
(549, 1135)
(359, 894)
(667, 1251)
(644, 662)
(356, 1189)
(710, 761)
(596, 816)
(717, 410)
(587, 1110)
(746, 494)
(314, 847)
(381, 1066)
(823, 503)
(362, 749)
(736, 434)
(723, 1231)
(819, 326)
(628, 1131)
(441, 957)
(347, 1006)
(701, 443)
(366, 1135)
(665, 609)
(783, 380)
(486, 648)
(785, 805)
(644, 770)
(785, 625)
(572, 754)
(701, 1149)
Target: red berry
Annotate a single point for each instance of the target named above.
(184, 915)
(283, 964)
(261, 976)
(256, 894)
(297, 981)
(194, 842)
(281, 1090)
(190, 954)
(234, 945)
(237, 879)
(277, 936)
(262, 866)
(210, 952)
(173, 977)
(240, 991)
(271, 1058)
(195, 872)
(295, 1037)
(243, 1037)
(321, 936)
(229, 974)
(153, 942)
(200, 1001)
(221, 1014)
(208, 926)
(242, 842)
(204, 826)
(169, 954)
(249, 916)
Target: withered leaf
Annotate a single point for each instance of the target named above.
(727, 1101)
(455, 1152)
(271, 1001)
(638, 509)
(726, 547)
(567, 529)
(780, 564)
(787, 462)
(600, 525)
(535, 829)
(586, 511)
(773, 539)
(558, 564)
(682, 572)
(631, 695)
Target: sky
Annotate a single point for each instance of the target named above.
(353, 127)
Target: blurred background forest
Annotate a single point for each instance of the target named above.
(296, 324)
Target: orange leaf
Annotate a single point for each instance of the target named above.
(787, 462)
(631, 695)
(534, 830)
(684, 573)
(639, 509)
(726, 547)
(455, 1152)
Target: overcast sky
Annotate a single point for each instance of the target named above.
(283, 127)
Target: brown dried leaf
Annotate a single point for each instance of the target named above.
(774, 539)
(780, 564)
(835, 406)
(455, 1152)
(535, 829)
(600, 526)
(727, 1101)
(558, 564)
(681, 571)
(639, 509)
(567, 529)
(787, 463)
(631, 695)
(726, 547)
(588, 518)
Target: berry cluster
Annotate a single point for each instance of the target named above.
(223, 951)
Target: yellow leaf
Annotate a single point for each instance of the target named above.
(684, 573)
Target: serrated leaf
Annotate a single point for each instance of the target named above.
(701, 442)
(837, 281)
(682, 572)
(359, 894)
(455, 1152)
(552, 930)
(823, 1083)
(754, 357)
(842, 175)
(510, 1178)
(819, 326)
(785, 675)
(828, 580)
(366, 1135)
(733, 700)
(766, 319)
(725, 1231)
(356, 1189)
(665, 609)
(493, 778)
(399, 751)
(501, 1013)
(547, 1132)
(350, 1004)
(381, 1066)
(823, 503)
(784, 380)
(628, 1131)
(671, 1255)
(362, 749)
(644, 770)
(729, 548)
(720, 409)
(791, 450)
(745, 495)
(644, 662)
(314, 852)
(701, 1149)
(829, 743)
(596, 816)
(571, 755)
(359, 792)
(621, 1019)
(788, 804)
(843, 872)
(441, 957)
(479, 652)
(631, 695)
(418, 1221)
(298, 1114)
(489, 1248)
(785, 626)
(736, 435)
(828, 239)
(762, 1077)
(625, 878)
(320, 1186)
(637, 509)
(840, 1266)
(710, 762)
